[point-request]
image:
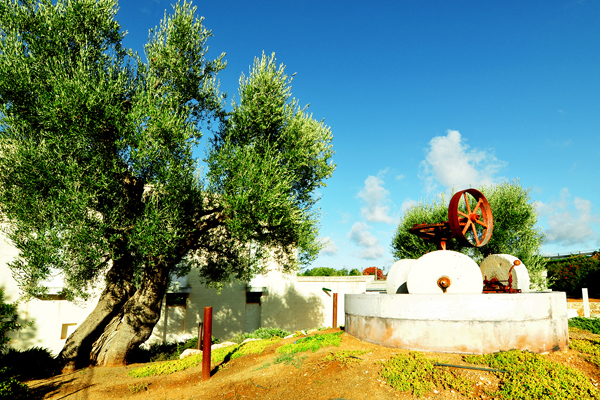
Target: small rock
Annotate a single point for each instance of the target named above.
(250, 340)
(221, 345)
(289, 336)
(189, 352)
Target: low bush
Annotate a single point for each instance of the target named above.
(413, 372)
(261, 333)
(532, 376)
(589, 324)
(33, 363)
(10, 388)
(164, 351)
(313, 343)
(573, 273)
(327, 271)
(217, 356)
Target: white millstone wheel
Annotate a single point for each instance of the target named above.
(447, 268)
(498, 265)
(396, 279)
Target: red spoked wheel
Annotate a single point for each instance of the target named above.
(470, 218)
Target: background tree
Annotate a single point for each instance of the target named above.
(515, 230)
(97, 178)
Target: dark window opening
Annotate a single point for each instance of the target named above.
(177, 299)
(253, 297)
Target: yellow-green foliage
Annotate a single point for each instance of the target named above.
(133, 389)
(253, 347)
(346, 357)
(223, 354)
(412, 372)
(533, 376)
(313, 343)
(587, 347)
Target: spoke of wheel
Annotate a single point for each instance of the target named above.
(475, 234)
(466, 226)
(482, 223)
(463, 214)
(467, 203)
(480, 202)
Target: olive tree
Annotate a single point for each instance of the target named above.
(515, 231)
(97, 177)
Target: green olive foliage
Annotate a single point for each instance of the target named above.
(96, 141)
(514, 233)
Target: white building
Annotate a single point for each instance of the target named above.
(272, 300)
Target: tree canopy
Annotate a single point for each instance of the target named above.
(97, 178)
(515, 231)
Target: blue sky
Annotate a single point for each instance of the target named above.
(423, 96)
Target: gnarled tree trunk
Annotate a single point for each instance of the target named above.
(119, 288)
(134, 323)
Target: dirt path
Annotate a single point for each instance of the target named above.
(308, 376)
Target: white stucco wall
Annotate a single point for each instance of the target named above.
(288, 301)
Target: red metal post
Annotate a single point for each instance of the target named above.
(335, 307)
(206, 344)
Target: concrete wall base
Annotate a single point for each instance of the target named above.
(460, 323)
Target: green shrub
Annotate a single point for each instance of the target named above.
(313, 343)
(33, 363)
(533, 377)
(589, 324)
(346, 357)
(327, 271)
(219, 355)
(412, 372)
(261, 333)
(164, 351)
(10, 388)
(573, 273)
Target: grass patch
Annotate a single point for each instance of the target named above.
(533, 376)
(346, 357)
(588, 324)
(289, 359)
(261, 333)
(313, 343)
(590, 350)
(138, 387)
(412, 372)
(219, 355)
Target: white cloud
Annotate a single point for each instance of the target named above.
(360, 235)
(330, 249)
(376, 197)
(400, 177)
(449, 161)
(408, 203)
(569, 221)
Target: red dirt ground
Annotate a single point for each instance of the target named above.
(257, 377)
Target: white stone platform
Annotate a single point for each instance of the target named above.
(461, 323)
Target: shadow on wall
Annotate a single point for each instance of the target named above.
(291, 310)
(228, 309)
(24, 338)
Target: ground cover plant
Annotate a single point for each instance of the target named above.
(261, 333)
(217, 356)
(532, 376)
(413, 372)
(589, 324)
(346, 357)
(313, 343)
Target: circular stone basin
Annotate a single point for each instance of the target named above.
(460, 323)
